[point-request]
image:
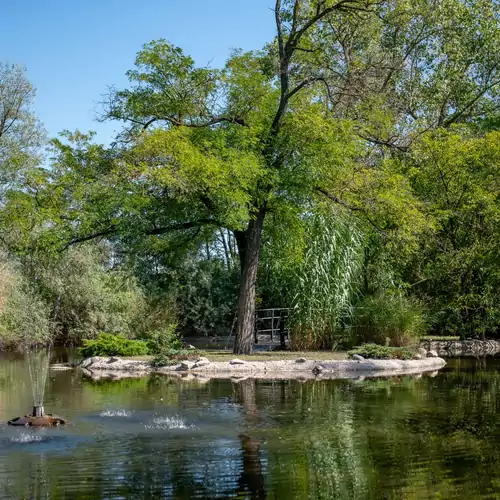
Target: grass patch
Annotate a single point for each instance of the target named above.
(221, 355)
(375, 351)
(440, 337)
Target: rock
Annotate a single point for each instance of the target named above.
(318, 369)
(236, 361)
(422, 352)
(432, 354)
(300, 360)
(187, 365)
(61, 366)
(114, 359)
(85, 363)
(201, 361)
(417, 356)
(89, 361)
(357, 357)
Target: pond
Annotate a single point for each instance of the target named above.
(160, 437)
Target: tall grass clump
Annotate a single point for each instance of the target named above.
(388, 318)
(326, 281)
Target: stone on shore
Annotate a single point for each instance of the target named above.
(422, 352)
(237, 361)
(272, 369)
(318, 369)
(187, 365)
(201, 361)
(300, 360)
(90, 361)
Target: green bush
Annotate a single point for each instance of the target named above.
(24, 316)
(375, 351)
(389, 318)
(163, 340)
(166, 346)
(108, 344)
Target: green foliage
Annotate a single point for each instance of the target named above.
(376, 351)
(372, 108)
(206, 296)
(167, 347)
(21, 135)
(456, 270)
(109, 344)
(164, 340)
(388, 318)
(86, 296)
(24, 317)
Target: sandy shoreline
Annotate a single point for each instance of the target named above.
(114, 367)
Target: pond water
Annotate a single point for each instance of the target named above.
(158, 437)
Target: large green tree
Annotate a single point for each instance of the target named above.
(222, 148)
(20, 132)
(457, 176)
(323, 113)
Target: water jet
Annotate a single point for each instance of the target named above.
(38, 365)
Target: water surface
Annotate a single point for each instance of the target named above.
(157, 437)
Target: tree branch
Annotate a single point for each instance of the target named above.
(344, 204)
(148, 232)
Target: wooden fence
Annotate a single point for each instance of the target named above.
(272, 322)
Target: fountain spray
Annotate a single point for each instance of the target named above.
(38, 366)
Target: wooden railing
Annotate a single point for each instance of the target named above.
(272, 322)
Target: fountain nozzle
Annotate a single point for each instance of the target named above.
(38, 411)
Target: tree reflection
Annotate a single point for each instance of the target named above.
(400, 438)
(251, 478)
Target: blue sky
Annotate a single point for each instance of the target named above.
(74, 49)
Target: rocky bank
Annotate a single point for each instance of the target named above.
(115, 367)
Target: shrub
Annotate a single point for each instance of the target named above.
(375, 351)
(108, 344)
(166, 346)
(163, 340)
(389, 318)
(24, 317)
(86, 296)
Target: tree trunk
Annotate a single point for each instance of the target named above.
(249, 250)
